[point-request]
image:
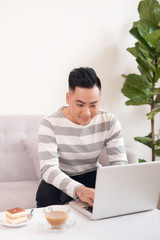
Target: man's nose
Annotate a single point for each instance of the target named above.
(86, 111)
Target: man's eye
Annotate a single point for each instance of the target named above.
(80, 105)
(93, 106)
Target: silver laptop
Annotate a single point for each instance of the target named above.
(123, 189)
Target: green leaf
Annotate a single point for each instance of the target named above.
(138, 89)
(152, 114)
(145, 27)
(147, 140)
(146, 65)
(157, 143)
(157, 75)
(149, 76)
(138, 81)
(137, 35)
(135, 94)
(144, 53)
(136, 102)
(157, 92)
(158, 98)
(157, 152)
(141, 160)
(142, 31)
(133, 51)
(156, 15)
(149, 9)
(158, 47)
(149, 135)
(153, 38)
(124, 76)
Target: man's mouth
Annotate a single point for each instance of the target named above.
(85, 119)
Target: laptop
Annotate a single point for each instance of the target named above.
(123, 189)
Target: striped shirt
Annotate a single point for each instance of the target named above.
(68, 149)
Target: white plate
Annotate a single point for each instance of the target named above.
(6, 224)
(45, 226)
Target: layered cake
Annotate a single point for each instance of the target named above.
(16, 215)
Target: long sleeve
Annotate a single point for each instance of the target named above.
(49, 162)
(114, 144)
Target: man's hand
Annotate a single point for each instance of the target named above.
(86, 194)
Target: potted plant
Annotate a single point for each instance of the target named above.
(143, 89)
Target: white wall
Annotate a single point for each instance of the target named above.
(42, 40)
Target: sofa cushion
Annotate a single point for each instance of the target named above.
(16, 164)
(18, 194)
(31, 145)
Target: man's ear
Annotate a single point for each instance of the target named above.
(67, 97)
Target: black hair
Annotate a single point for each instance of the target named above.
(84, 78)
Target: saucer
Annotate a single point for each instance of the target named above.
(45, 226)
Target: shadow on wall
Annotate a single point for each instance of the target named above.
(106, 67)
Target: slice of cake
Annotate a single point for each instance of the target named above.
(16, 215)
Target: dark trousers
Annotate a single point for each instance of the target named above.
(47, 194)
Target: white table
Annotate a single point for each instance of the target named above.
(139, 226)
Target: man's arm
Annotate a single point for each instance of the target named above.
(49, 162)
(115, 144)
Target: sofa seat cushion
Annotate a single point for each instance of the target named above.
(18, 194)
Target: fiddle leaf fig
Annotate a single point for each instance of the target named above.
(141, 160)
(145, 26)
(158, 98)
(134, 31)
(133, 51)
(138, 89)
(157, 75)
(142, 89)
(157, 143)
(147, 140)
(153, 38)
(152, 114)
(149, 10)
(157, 152)
(146, 65)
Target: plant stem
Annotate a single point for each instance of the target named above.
(152, 129)
(152, 124)
(152, 107)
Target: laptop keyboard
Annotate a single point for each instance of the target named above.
(89, 208)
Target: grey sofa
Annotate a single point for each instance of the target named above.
(19, 164)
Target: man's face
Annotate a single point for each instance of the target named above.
(83, 104)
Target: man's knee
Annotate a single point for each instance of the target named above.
(47, 194)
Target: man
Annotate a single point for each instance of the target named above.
(71, 140)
